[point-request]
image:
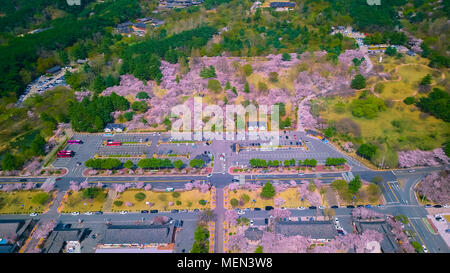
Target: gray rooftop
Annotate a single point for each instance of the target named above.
(312, 229)
(138, 234)
(253, 234)
(388, 244)
(58, 238)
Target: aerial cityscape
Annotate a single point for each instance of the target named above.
(224, 126)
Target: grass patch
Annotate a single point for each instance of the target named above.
(77, 202)
(24, 202)
(160, 200)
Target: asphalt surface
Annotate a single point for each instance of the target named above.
(400, 199)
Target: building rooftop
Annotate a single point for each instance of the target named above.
(139, 234)
(253, 234)
(53, 69)
(313, 229)
(114, 126)
(58, 238)
(388, 244)
(282, 5)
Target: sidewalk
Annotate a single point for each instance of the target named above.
(219, 228)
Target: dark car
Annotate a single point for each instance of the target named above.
(196, 210)
(256, 209)
(67, 226)
(269, 208)
(334, 207)
(98, 213)
(350, 207)
(57, 179)
(312, 207)
(360, 206)
(367, 206)
(174, 211)
(235, 180)
(266, 221)
(23, 180)
(144, 211)
(437, 206)
(428, 206)
(154, 211)
(287, 137)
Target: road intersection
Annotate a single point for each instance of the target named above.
(400, 199)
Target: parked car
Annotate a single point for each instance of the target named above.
(360, 206)
(266, 221)
(301, 174)
(283, 208)
(251, 222)
(174, 211)
(75, 213)
(368, 206)
(98, 213)
(411, 171)
(196, 210)
(33, 214)
(334, 207)
(269, 208)
(23, 180)
(301, 208)
(321, 207)
(257, 209)
(88, 213)
(144, 211)
(350, 207)
(312, 207)
(241, 212)
(247, 209)
(235, 180)
(184, 210)
(425, 249)
(428, 206)
(209, 175)
(380, 206)
(123, 212)
(437, 206)
(446, 206)
(438, 217)
(154, 211)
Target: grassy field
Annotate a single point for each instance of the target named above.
(76, 202)
(400, 126)
(189, 200)
(447, 217)
(362, 198)
(21, 202)
(290, 196)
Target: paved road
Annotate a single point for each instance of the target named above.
(400, 199)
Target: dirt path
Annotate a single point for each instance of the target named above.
(107, 207)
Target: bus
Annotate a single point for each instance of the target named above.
(64, 153)
(75, 141)
(113, 143)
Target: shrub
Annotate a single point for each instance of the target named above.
(118, 203)
(175, 194)
(367, 150)
(142, 95)
(128, 115)
(178, 202)
(202, 202)
(358, 82)
(262, 87)
(286, 57)
(245, 198)
(273, 76)
(234, 202)
(268, 191)
(140, 196)
(248, 69)
(409, 100)
(214, 85)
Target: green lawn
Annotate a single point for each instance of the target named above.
(22, 202)
(76, 202)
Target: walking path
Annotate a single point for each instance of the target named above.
(219, 228)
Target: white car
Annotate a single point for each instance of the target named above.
(251, 222)
(301, 208)
(411, 171)
(446, 206)
(241, 212)
(75, 213)
(33, 214)
(283, 208)
(425, 249)
(123, 212)
(301, 174)
(321, 207)
(209, 175)
(88, 213)
(247, 209)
